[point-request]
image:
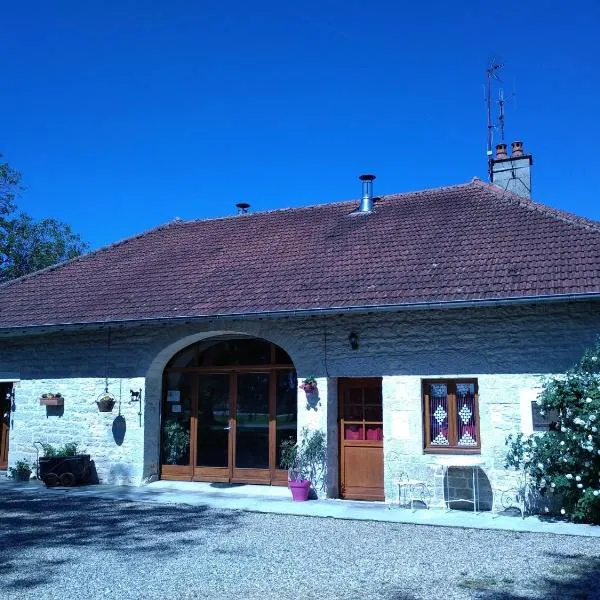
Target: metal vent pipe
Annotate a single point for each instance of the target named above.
(366, 202)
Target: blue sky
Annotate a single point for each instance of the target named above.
(122, 115)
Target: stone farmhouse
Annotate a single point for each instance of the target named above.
(427, 319)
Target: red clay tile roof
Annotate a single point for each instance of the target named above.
(461, 243)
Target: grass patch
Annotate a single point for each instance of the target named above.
(484, 583)
(567, 569)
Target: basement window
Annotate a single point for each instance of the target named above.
(451, 413)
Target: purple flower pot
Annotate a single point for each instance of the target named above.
(300, 490)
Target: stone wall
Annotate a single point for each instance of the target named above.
(500, 398)
(114, 440)
(506, 348)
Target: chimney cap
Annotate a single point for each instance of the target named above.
(242, 207)
(517, 148)
(367, 177)
(501, 151)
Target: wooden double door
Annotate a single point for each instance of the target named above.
(227, 425)
(5, 408)
(361, 438)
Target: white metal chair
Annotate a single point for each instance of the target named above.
(411, 490)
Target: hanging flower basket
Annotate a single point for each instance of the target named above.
(105, 403)
(309, 385)
(51, 399)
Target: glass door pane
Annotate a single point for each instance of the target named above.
(177, 413)
(286, 410)
(252, 421)
(213, 421)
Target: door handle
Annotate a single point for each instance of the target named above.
(226, 428)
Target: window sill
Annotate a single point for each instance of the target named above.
(452, 450)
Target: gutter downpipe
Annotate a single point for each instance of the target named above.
(309, 312)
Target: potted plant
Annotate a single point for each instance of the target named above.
(309, 385)
(305, 461)
(176, 442)
(21, 471)
(50, 399)
(105, 402)
(63, 465)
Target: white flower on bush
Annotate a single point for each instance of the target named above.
(592, 417)
(540, 466)
(594, 429)
(553, 484)
(577, 478)
(562, 511)
(562, 443)
(580, 485)
(588, 400)
(569, 476)
(596, 492)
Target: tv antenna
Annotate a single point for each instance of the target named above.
(501, 114)
(492, 73)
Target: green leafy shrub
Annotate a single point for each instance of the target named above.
(176, 442)
(68, 449)
(21, 470)
(565, 461)
(307, 459)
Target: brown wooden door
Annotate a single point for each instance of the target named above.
(361, 439)
(5, 406)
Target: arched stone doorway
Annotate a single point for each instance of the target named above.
(227, 404)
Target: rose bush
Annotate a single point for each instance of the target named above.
(565, 460)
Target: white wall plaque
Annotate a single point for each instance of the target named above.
(173, 396)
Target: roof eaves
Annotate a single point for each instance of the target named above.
(310, 312)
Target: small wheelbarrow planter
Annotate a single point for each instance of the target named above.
(64, 470)
(62, 466)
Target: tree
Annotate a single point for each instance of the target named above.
(27, 245)
(9, 184)
(565, 461)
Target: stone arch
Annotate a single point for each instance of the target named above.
(154, 383)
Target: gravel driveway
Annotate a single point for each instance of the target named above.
(80, 548)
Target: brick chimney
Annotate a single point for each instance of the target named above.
(512, 173)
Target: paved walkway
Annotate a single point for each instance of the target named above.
(276, 500)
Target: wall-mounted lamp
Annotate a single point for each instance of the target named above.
(137, 397)
(353, 339)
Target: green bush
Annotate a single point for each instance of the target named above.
(21, 469)
(176, 442)
(307, 459)
(68, 449)
(565, 461)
